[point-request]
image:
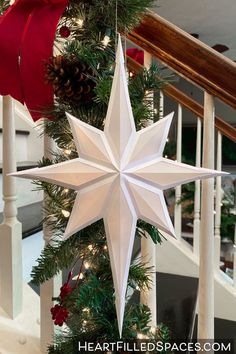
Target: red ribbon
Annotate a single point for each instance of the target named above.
(136, 54)
(27, 32)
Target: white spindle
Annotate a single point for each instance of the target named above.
(50, 288)
(148, 253)
(178, 208)
(234, 256)
(197, 194)
(218, 200)
(161, 105)
(234, 235)
(206, 255)
(10, 229)
(148, 297)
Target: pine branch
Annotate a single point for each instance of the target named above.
(4, 4)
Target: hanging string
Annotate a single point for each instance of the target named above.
(125, 51)
(116, 25)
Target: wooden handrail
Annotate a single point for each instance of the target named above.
(188, 56)
(196, 108)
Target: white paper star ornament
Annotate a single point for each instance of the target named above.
(120, 177)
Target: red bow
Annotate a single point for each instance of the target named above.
(136, 54)
(27, 31)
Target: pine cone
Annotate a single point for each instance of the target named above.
(71, 79)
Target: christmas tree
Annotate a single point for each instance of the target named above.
(81, 74)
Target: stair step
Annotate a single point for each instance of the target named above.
(23, 165)
(22, 335)
(31, 217)
(19, 132)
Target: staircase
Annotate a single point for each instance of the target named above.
(177, 257)
(216, 76)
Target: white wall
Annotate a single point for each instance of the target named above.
(25, 193)
(28, 147)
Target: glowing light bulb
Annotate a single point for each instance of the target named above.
(153, 330)
(80, 22)
(86, 265)
(67, 151)
(86, 309)
(81, 276)
(90, 247)
(105, 248)
(106, 41)
(65, 213)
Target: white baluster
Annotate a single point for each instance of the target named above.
(148, 297)
(10, 229)
(178, 207)
(206, 255)
(235, 235)
(50, 288)
(197, 194)
(218, 200)
(148, 253)
(161, 105)
(234, 256)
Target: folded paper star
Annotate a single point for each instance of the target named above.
(120, 176)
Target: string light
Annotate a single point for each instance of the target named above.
(65, 213)
(131, 74)
(106, 40)
(86, 265)
(137, 287)
(90, 247)
(81, 276)
(67, 151)
(86, 309)
(153, 330)
(80, 22)
(105, 248)
(167, 140)
(140, 336)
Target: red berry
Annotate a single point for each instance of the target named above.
(64, 32)
(59, 314)
(66, 289)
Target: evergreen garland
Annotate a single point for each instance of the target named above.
(86, 302)
(4, 4)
